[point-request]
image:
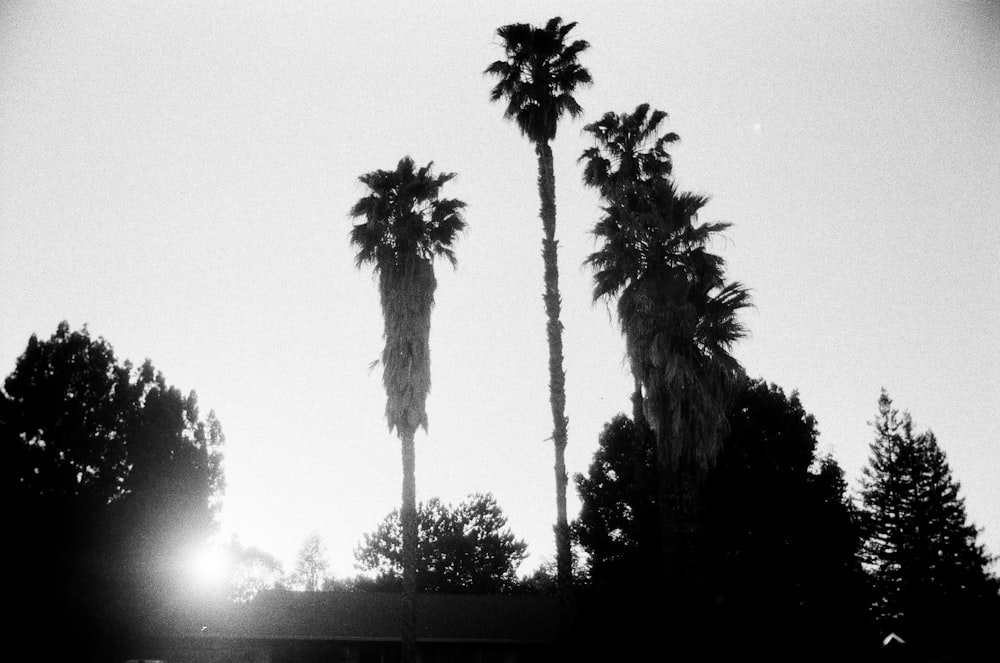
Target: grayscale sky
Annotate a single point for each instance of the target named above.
(178, 175)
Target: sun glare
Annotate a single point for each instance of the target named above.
(209, 566)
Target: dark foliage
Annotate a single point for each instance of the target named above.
(618, 524)
(114, 476)
(538, 77)
(467, 549)
(781, 537)
(680, 319)
(784, 532)
(931, 575)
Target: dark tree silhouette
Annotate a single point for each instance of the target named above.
(467, 548)
(618, 526)
(628, 154)
(781, 542)
(628, 151)
(406, 225)
(931, 576)
(679, 319)
(783, 532)
(115, 477)
(537, 79)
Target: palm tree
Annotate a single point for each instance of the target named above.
(678, 314)
(679, 318)
(654, 259)
(628, 152)
(537, 79)
(406, 225)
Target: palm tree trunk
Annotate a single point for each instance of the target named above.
(408, 519)
(638, 415)
(557, 387)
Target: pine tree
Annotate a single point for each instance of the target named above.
(930, 575)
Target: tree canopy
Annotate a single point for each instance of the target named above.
(464, 548)
(116, 477)
(311, 565)
(405, 224)
(781, 539)
(252, 570)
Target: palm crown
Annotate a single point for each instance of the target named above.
(404, 217)
(628, 150)
(406, 225)
(678, 314)
(539, 76)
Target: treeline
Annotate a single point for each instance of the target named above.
(463, 548)
(794, 560)
(115, 478)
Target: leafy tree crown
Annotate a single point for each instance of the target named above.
(463, 548)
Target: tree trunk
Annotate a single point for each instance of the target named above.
(557, 389)
(638, 413)
(685, 599)
(408, 519)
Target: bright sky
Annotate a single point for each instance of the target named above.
(178, 175)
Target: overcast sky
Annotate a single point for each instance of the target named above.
(178, 175)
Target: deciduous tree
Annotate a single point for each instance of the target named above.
(115, 477)
(253, 570)
(311, 565)
(465, 548)
(781, 544)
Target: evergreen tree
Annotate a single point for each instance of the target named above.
(930, 575)
(784, 539)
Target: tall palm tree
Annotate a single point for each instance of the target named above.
(678, 314)
(654, 258)
(628, 152)
(537, 79)
(405, 226)
(679, 317)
